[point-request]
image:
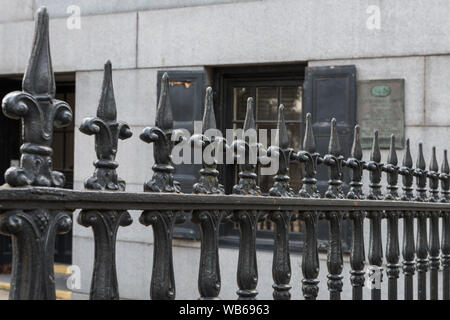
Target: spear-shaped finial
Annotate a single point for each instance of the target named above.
(421, 176)
(107, 106)
(375, 167)
(445, 179)
(249, 122)
(309, 158)
(39, 79)
(334, 147)
(392, 171)
(107, 131)
(433, 176)
(164, 116)
(375, 154)
(40, 112)
(309, 142)
(407, 174)
(209, 119)
(356, 165)
(356, 147)
(282, 136)
(334, 161)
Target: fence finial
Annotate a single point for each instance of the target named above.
(356, 165)
(281, 186)
(247, 163)
(433, 176)
(421, 176)
(107, 132)
(161, 136)
(39, 112)
(334, 161)
(392, 172)
(208, 182)
(310, 159)
(375, 168)
(445, 178)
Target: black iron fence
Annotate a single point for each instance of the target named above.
(34, 207)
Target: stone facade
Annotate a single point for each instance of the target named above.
(141, 37)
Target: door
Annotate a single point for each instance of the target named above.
(330, 92)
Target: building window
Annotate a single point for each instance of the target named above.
(270, 87)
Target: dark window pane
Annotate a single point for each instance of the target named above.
(266, 103)
(291, 97)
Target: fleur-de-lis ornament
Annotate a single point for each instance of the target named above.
(433, 176)
(284, 154)
(421, 176)
(356, 164)
(374, 166)
(209, 182)
(391, 170)
(334, 161)
(248, 158)
(310, 159)
(161, 137)
(445, 179)
(407, 174)
(40, 112)
(107, 132)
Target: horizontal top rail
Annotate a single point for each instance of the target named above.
(55, 198)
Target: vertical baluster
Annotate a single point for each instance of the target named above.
(408, 223)
(434, 245)
(392, 244)
(334, 260)
(310, 259)
(105, 223)
(281, 266)
(375, 255)
(445, 246)
(247, 272)
(209, 282)
(162, 285)
(33, 232)
(357, 254)
(422, 246)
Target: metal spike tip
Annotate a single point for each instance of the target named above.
(392, 157)
(334, 147)
(420, 158)
(107, 105)
(356, 148)
(445, 167)
(407, 159)
(433, 163)
(249, 122)
(209, 119)
(39, 79)
(282, 136)
(309, 143)
(164, 117)
(375, 154)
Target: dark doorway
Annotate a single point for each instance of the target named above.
(63, 146)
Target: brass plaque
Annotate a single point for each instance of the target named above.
(381, 106)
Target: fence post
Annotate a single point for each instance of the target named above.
(433, 176)
(33, 232)
(310, 260)
(105, 223)
(445, 245)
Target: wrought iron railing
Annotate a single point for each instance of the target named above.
(34, 207)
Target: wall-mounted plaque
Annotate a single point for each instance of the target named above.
(381, 106)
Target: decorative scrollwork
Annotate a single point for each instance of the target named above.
(107, 132)
(33, 236)
(40, 112)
